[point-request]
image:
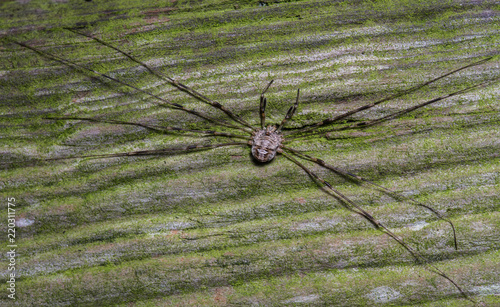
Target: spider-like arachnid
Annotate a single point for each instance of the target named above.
(269, 141)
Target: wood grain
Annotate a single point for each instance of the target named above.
(213, 228)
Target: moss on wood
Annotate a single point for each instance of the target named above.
(212, 228)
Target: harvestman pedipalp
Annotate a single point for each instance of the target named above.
(267, 142)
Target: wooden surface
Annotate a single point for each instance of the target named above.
(213, 228)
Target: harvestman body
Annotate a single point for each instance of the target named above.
(267, 142)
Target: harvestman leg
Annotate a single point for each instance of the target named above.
(367, 123)
(263, 104)
(173, 82)
(155, 128)
(290, 112)
(371, 105)
(393, 194)
(352, 206)
(402, 112)
(153, 152)
(175, 106)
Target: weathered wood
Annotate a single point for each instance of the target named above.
(212, 228)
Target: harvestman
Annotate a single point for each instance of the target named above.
(268, 141)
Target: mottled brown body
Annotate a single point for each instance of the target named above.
(266, 143)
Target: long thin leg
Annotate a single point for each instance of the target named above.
(263, 103)
(402, 112)
(172, 105)
(154, 152)
(352, 206)
(393, 194)
(150, 127)
(173, 82)
(371, 105)
(290, 112)
(367, 123)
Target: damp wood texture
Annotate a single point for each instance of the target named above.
(213, 227)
